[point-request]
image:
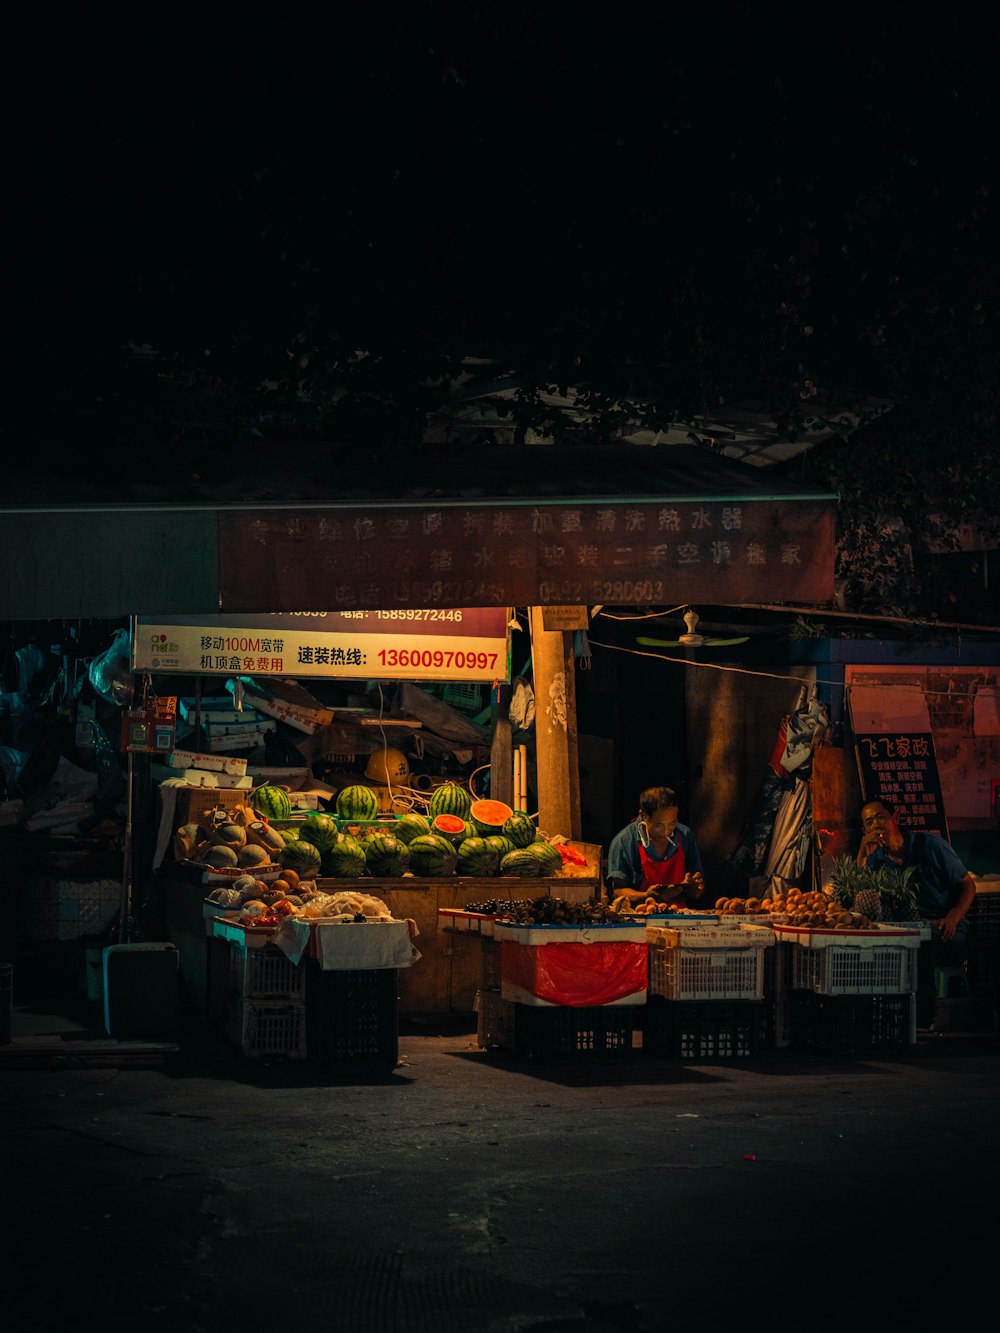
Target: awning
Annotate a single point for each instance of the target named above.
(318, 528)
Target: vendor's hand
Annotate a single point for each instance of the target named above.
(947, 925)
(868, 845)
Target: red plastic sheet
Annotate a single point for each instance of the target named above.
(574, 974)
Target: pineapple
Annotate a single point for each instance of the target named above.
(848, 880)
(868, 902)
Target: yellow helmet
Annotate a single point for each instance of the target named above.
(388, 767)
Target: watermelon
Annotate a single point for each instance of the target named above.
(500, 844)
(449, 799)
(411, 826)
(476, 857)
(386, 855)
(548, 856)
(489, 817)
(271, 802)
(302, 857)
(451, 827)
(521, 862)
(320, 830)
(357, 802)
(345, 858)
(520, 828)
(430, 854)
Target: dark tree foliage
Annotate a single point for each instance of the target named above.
(223, 225)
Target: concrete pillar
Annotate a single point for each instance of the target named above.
(556, 752)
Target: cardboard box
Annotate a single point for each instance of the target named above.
(193, 804)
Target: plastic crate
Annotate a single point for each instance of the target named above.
(699, 1030)
(264, 972)
(351, 1015)
(489, 966)
(983, 970)
(463, 695)
(494, 1020)
(267, 1029)
(984, 920)
(850, 1024)
(710, 963)
(558, 1035)
(876, 962)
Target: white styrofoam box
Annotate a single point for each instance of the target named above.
(246, 738)
(570, 934)
(214, 762)
(200, 777)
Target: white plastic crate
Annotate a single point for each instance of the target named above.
(264, 972)
(268, 1028)
(881, 961)
(708, 963)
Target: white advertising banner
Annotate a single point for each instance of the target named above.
(436, 643)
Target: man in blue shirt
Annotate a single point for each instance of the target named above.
(944, 889)
(655, 855)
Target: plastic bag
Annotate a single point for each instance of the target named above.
(110, 674)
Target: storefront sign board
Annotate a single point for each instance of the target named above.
(419, 644)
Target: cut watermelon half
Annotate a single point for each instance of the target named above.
(489, 817)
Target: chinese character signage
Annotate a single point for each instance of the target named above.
(902, 771)
(454, 644)
(529, 555)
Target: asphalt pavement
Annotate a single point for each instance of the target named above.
(191, 1188)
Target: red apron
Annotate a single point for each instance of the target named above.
(668, 871)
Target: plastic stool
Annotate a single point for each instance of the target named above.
(943, 979)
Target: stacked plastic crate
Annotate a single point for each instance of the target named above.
(351, 1014)
(566, 993)
(849, 992)
(266, 1014)
(706, 990)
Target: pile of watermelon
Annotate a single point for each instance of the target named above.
(457, 836)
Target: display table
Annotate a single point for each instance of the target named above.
(447, 979)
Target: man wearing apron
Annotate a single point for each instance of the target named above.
(655, 855)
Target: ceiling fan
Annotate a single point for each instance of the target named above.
(692, 639)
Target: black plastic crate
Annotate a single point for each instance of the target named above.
(554, 1034)
(351, 1015)
(983, 970)
(850, 1024)
(984, 921)
(703, 1029)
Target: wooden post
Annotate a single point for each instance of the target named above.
(556, 751)
(501, 750)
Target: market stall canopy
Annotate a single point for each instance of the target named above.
(314, 526)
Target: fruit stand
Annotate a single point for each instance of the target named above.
(256, 855)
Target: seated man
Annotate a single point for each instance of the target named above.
(655, 855)
(944, 889)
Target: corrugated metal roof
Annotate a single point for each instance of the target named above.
(310, 474)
